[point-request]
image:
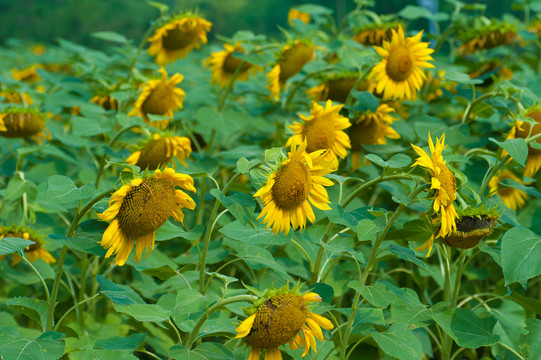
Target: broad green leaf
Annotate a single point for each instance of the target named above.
(83, 126)
(412, 12)
(85, 242)
(110, 36)
(170, 231)
(382, 294)
(35, 309)
(412, 316)
(366, 230)
(162, 273)
(99, 354)
(241, 205)
(118, 294)
(16, 187)
(517, 148)
(530, 343)
(530, 190)
(205, 351)
(348, 218)
(62, 189)
(250, 235)
(130, 343)
(179, 352)
(366, 99)
(10, 245)
(13, 346)
(144, 312)
(400, 342)
(453, 75)
(244, 166)
(521, 251)
(406, 254)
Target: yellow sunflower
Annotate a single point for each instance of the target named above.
(322, 130)
(161, 151)
(224, 64)
(299, 15)
(282, 317)
(470, 229)
(399, 74)
(513, 198)
(177, 38)
(160, 97)
(443, 181)
(286, 194)
(338, 87)
(291, 60)
(522, 129)
(15, 97)
(486, 37)
(371, 128)
(105, 101)
(137, 210)
(376, 34)
(23, 123)
(32, 252)
(28, 74)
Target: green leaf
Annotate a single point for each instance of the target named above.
(205, 351)
(366, 99)
(10, 245)
(94, 354)
(130, 343)
(406, 254)
(144, 312)
(170, 231)
(163, 273)
(48, 346)
(83, 126)
(412, 12)
(366, 230)
(188, 303)
(16, 187)
(258, 235)
(453, 75)
(382, 294)
(530, 190)
(530, 344)
(118, 294)
(85, 242)
(62, 189)
(158, 5)
(521, 251)
(241, 205)
(400, 342)
(35, 309)
(244, 166)
(466, 328)
(110, 36)
(517, 148)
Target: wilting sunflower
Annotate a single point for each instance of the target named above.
(106, 101)
(371, 128)
(291, 60)
(513, 198)
(161, 151)
(289, 189)
(280, 317)
(535, 27)
(443, 181)
(178, 37)
(23, 123)
(224, 64)
(137, 210)
(485, 36)
(15, 97)
(337, 87)
(160, 97)
(28, 74)
(299, 15)
(32, 252)
(376, 34)
(522, 129)
(322, 130)
(399, 74)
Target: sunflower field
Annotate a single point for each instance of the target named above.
(367, 188)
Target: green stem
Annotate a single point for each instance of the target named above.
(139, 49)
(48, 296)
(300, 83)
(474, 102)
(176, 331)
(225, 93)
(73, 308)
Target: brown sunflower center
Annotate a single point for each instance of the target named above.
(524, 131)
(470, 230)
(320, 134)
(146, 207)
(291, 186)
(365, 131)
(277, 321)
(179, 38)
(231, 63)
(22, 125)
(160, 101)
(293, 59)
(153, 155)
(448, 183)
(399, 64)
(339, 89)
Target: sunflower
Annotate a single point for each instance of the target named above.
(443, 181)
(177, 38)
(224, 64)
(322, 130)
(137, 210)
(399, 74)
(486, 36)
(105, 101)
(280, 317)
(376, 34)
(28, 74)
(338, 87)
(371, 128)
(23, 123)
(291, 60)
(32, 252)
(299, 15)
(160, 151)
(513, 198)
(159, 97)
(286, 194)
(15, 97)
(522, 129)
(470, 229)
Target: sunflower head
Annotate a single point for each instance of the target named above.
(160, 150)
(373, 128)
(32, 252)
(337, 87)
(485, 36)
(23, 123)
(512, 198)
(523, 129)
(376, 34)
(471, 226)
(224, 64)
(15, 97)
(178, 37)
(299, 15)
(106, 101)
(28, 75)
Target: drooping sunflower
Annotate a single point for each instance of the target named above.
(28, 74)
(160, 97)
(280, 317)
(291, 60)
(15, 97)
(23, 123)
(375, 34)
(160, 151)
(399, 74)
(512, 198)
(32, 252)
(291, 189)
(178, 37)
(481, 36)
(522, 129)
(224, 64)
(137, 210)
(371, 128)
(106, 101)
(443, 181)
(337, 87)
(299, 15)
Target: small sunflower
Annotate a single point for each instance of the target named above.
(137, 210)
(291, 60)
(522, 129)
(280, 317)
(512, 198)
(486, 36)
(106, 101)
(322, 130)
(299, 15)
(160, 97)
(376, 34)
(399, 74)
(178, 37)
(28, 74)
(224, 64)
(443, 181)
(32, 252)
(23, 123)
(291, 189)
(338, 87)
(15, 97)
(161, 151)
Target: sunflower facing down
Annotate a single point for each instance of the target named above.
(399, 74)
(23, 123)
(224, 64)
(280, 317)
(322, 130)
(299, 15)
(522, 129)
(137, 210)
(337, 87)
(291, 189)
(161, 151)
(513, 198)
(443, 181)
(106, 101)
(177, 38)
(159, 97)
(32, 252)
(376, 34)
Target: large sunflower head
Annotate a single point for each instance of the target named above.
(375, 34)
(323, 130)
(471, 226)
(522, 129)
(280, 317)
(291, 190)
(32, 252)
(399, 74)
(178, 37)
(512, 198)
(224, 64)
(137, 210)
(23, 123)
(299, 15)
(485, 36)
(443, 181)
(159, 151)
(159, 97)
